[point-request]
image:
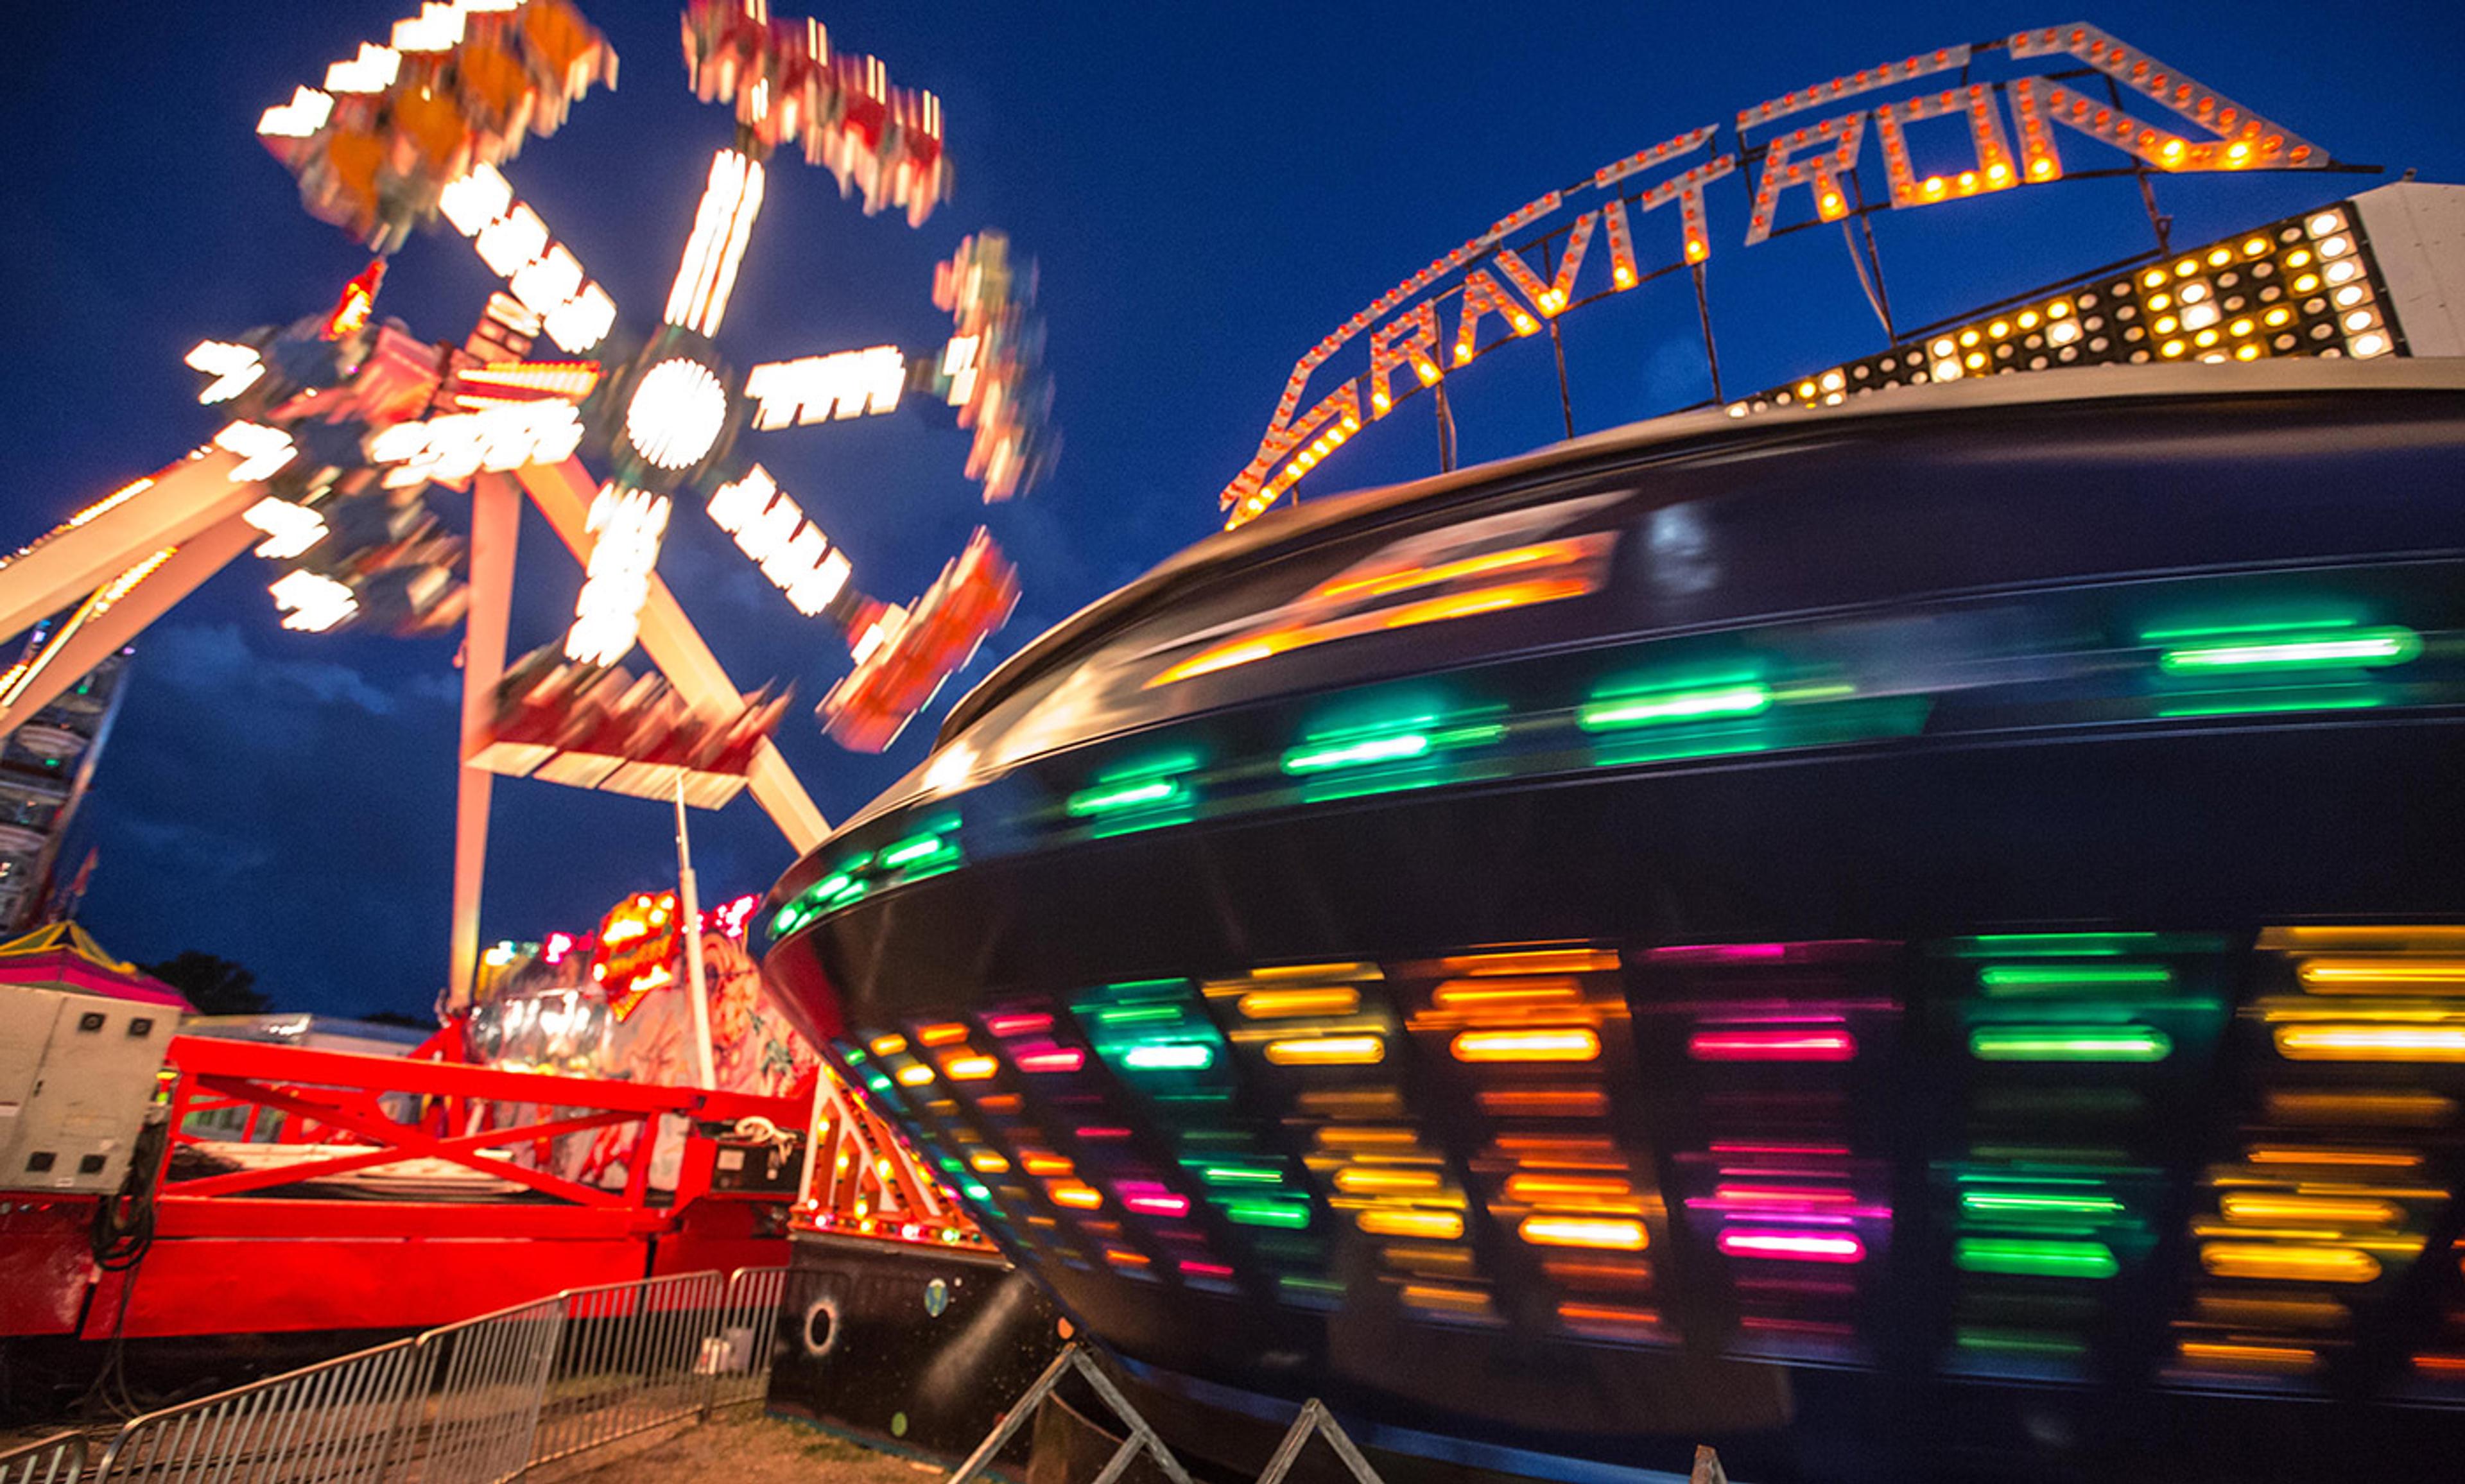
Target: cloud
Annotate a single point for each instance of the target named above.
(214, 657)
(197, 855)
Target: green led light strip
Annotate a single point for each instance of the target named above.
(2333, 649)
(2016, 1202)
(1124, 796)
(1280, 1214)
(1618, 713)
(2071, 1043)
(2042, 1259)
(1374, 749)
(2022, 979)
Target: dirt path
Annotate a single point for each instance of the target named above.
(754, 1450)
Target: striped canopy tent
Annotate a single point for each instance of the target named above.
(64, 955)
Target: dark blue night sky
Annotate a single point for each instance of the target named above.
(1209, 189)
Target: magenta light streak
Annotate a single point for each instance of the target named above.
(1769, 953)
(1210, 1269)
(1101, 1132)
(1049, 1057)
(1786, 1196)
(1151, 1199)
(1772, 1323)
(1810, 1151)
(1771, 1045)
(1019, 1023)
(1793, 1246)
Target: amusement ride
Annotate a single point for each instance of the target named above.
(1880, 919)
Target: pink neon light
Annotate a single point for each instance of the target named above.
(1103, 1133)
(1151, 1199)
(1019, 1024)
(1813, 1151)
(1050, 1058)
(1719, 953)
(1782, 1195)
(1771, 1045)
(1771, 1322)
(1793, 1246)
(1207, 1270)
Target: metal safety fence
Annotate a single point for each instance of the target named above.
(57, 1459)
(478, 1402)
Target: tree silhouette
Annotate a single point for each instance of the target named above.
(215, 986)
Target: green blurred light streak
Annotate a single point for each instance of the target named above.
(2018, 1259)
(2057, 1043)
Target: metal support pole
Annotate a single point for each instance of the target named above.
(1565, 404)
(1703, 312)
(1875, 258)
(2158, 221)
(496, 527)
(1446, 428)
(563, 492)
(705, 1067)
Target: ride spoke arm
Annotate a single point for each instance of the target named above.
(814, 388)
(563, 493)
(105, 539)
(543, 273)
(116, 613)
(730, 201)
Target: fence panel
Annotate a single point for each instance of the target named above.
(629, 1360)
(333, 1423)
(745, 1338)
(494, 1371)
(474, 1403)
(57, 1459)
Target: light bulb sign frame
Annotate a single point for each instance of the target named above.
(1802, 155)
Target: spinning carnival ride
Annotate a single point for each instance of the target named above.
(342, 422)
(1900, 925)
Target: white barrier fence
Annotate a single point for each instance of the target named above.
(474, 1403)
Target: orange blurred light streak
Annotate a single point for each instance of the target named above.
(2371, 1043)
(1623, 1236)
(970, 1069)
(1542, 1189)
(1086, 1198)
(2304, 1264)
(1430, 1295)
(1282, 1004)
(2380, 1159)
(941, 1035)
(1474, 994)
(1328, 1050)
(2297, 1357)
(1587, 1102)
(1635, 1273)
(2240, 1207)
(2399, 976)
(1381, 584)
(1560, 1044)
(1446, 1225)
(1035, 1161)
(1607, 1314)
(1533, 960)
(1383, 1181)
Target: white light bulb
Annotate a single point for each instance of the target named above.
(676, 414)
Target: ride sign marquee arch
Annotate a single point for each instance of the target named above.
(1802, 154)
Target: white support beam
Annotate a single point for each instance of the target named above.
(186, 499)
(496, 526)
(197, 558)
(563, 492)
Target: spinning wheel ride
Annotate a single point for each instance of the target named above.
(341, 423)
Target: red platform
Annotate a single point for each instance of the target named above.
(231, 1254)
